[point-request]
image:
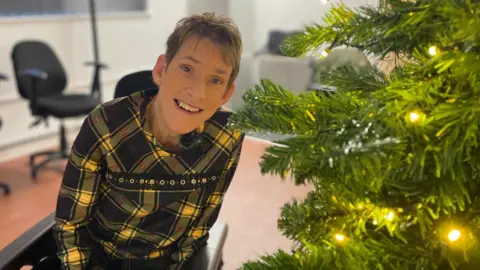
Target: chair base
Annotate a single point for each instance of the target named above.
(5, 188)
(50, 156)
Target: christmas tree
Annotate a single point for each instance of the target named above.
(393, 154)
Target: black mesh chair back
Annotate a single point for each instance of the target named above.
(37, 55)
(134, 82)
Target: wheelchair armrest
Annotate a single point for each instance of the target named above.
(37, 243)
(209, 257)
(30, 247)
(96, 64)
(34, 73)
(3, 77)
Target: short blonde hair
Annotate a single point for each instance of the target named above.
(219, 29)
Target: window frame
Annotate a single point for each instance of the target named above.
(28, 18)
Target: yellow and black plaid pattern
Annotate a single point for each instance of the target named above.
(135, 199)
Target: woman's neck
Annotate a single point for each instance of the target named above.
(159, 130)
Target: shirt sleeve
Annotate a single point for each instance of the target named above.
(198, 234)
(78, 194)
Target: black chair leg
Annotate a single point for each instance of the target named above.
(50, 155)
(6, 188)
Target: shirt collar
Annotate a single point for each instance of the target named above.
(147, 97)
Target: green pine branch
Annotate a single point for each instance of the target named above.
(394, 158)
(396, 26)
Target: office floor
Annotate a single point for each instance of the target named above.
(251, 207)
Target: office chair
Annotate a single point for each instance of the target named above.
(134, 82)
(5, 187)
(41, 79)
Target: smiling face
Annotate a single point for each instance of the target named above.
(192, 86)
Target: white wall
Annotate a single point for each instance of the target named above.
(256, 18)
(199, 6)
(129, 42)
(293, 15)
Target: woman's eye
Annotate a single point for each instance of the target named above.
(216, 81)
(186, 68)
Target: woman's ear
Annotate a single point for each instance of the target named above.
(159, 69)
(228, 93)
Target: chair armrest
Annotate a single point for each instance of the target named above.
(30, 247)
(34, 73)
(96, 64)
(3, 77)
(209, 257)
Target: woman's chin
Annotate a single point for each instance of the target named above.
(181, 129)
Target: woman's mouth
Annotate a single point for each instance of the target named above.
(187, 107)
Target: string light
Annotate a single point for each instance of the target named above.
(324, 53)
(454, 235)
(339, 237)
(433, 50)
(414, 117)
(390, 216)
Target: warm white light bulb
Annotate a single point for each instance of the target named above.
(414, 116)
(454, 235)
(390, 216)
(432, 50)
(339, 237)
(324, 53)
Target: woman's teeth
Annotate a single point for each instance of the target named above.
(187, 107)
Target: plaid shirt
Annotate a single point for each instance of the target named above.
(124, 192)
